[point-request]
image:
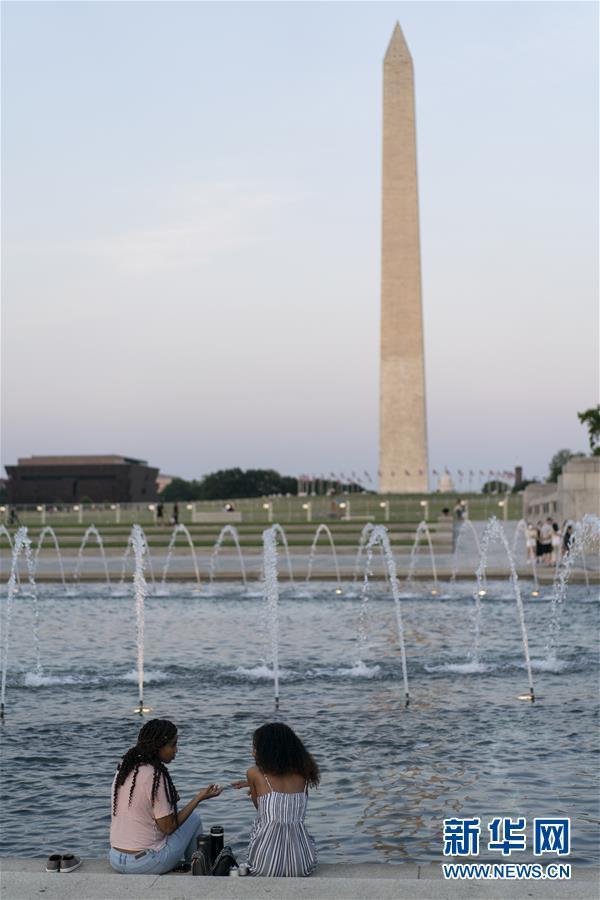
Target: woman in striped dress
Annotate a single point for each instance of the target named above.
(280, 845)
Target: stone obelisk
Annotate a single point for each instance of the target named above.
(402, 423)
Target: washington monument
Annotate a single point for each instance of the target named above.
(402, 423)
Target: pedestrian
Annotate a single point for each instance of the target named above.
(531, 540)
(160, 512)
(555, 544)
(175, 516)
(568, 539)
(538, 542)
(546, 541)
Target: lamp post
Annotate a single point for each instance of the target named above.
(504, 505)
(42, 512)
(269, 508)
(345, 505)
(308, 508)
(424, 504)
(78, 508)
(385, 505)
(152, 508)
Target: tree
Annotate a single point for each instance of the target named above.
(230, 484)
(495, 487)
(518, 488)
(591, 418)
(558, 462)
(179, 489)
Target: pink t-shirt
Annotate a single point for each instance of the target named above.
(133, 827)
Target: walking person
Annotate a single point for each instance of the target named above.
(546, 533)
(567, 542)
(149, 835)
(280, 846)
(538, 542)
(555, 556)
(531, 541)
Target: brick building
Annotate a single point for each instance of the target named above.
(71, 479)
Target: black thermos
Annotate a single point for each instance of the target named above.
(216, 841)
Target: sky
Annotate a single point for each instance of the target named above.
(191, 230)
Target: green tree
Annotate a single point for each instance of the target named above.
(523, 484)
(179, 489)
(591, 418)
(230, 484)
(558, 461)
(495, 487)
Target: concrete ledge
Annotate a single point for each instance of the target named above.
(22, 879)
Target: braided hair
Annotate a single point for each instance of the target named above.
(153, 735)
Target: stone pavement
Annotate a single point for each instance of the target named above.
(24, 879)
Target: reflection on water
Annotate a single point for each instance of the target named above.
(465, 746)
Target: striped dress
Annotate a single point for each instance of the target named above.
(280, 846)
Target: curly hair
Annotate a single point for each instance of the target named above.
(279, 751)
(153, 735)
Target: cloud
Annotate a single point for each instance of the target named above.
(200, 224)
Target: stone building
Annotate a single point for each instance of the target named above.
(576, 493)
(72, 479)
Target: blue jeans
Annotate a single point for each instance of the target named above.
(179, 845)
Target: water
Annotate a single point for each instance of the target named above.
(140, 550)
(466, 527)
(421, 529)
(227, 529)
(180, 529)
(465, 746)
(20, 547)
(48, 531)
(271, 594)
(91, 532)
(586, 536)
(323, 529)
(380, 536)
(494, 531)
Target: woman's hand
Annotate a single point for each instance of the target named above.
(242, 784)
(213, 790)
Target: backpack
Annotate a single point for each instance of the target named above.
(224, 862)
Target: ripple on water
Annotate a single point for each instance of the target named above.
(389, 774)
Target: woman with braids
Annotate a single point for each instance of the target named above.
(148, 834)
(280, 845)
